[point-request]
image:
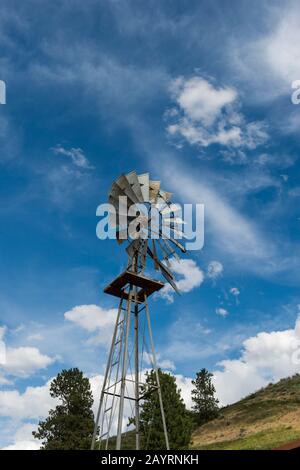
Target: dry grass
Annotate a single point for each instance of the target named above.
(271, 414)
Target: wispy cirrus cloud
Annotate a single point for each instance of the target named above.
(76, 155)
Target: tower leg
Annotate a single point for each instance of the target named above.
(107, 371)
(157, 377)
(136, 367)
(124, 372)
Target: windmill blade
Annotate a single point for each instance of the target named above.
(144, 184)
(135, 185)
(175, 230)
(155, 258)
(165, 272)
(166, 195)
(116, 192)
(143, 253)
(165, 253)
(171, 250)
(154, 187)
(161, 265)
(124, 185)
(170, 208)
(166, 249)
(163, 198)
(170, 281)
(175, 242)
(121, 210)
(175, 220)
(120, 207)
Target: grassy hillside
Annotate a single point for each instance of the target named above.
(263, 420)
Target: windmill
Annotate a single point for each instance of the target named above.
(144, 218)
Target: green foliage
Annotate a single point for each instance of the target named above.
(205, 405)
(70, 425)
(178, 420)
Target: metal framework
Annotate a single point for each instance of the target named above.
(157, 237)
(121, 391)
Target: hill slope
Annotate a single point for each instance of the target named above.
(263, 420)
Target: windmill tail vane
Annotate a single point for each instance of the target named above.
(132, 346)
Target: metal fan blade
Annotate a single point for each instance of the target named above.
(168, 250)
(120, 207)
(174, 220)
(170, 281)
(170, 208)
(165, 195)
(165, 253)
(172, 251)
(116, 191)
(144, 184)
(135, 185)
(161, 266)
(175, 242)
(121, 210)
(124, 185)
(143, 254)
(154, 187)
(175, 230)
(155, 258)
(168, 275)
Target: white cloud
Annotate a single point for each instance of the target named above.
(200, 100)
(25, 360)
(93, 318)
(23, 439)
(76, 155)
(33, 403)
(190, 275)
(165, 364)
(280, 47)
(22, 445)
(185, 386)
(207, 115)
(214, 270)
(265, 357)
(222, 312)
(234, 291)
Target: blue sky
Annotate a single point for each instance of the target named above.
(198, 93)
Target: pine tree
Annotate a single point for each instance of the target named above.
(70, 425)
(203, 396)
(178, 420)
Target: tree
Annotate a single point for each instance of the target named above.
(70, 425)
(203, 396)
(179, 423)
